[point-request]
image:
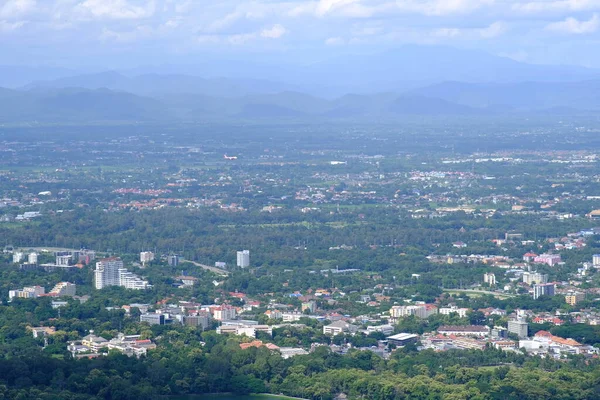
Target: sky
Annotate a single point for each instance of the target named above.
(131, 33)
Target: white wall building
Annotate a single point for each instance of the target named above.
(146, 257)
(243, 258)
(107, 272)
(64, 289)
(32, 258)
(17, 257)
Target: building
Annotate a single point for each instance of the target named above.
(173, 260)
(224, 312)
(153, 318)
(596, 260)
(467, 330)
(32, 258)
(548, 259)
(337, 327)
(201, 319)
(519, 327)
(574, 298)
(30, 292)
(385, 329)
(462, 312)
(63, 260)
(129, 280)
(220, 264)
(311, 306)
(17, 257)
(534, 277)
(489, 278)
(146, 257)
(402, 339)
(63, 289)
(546, 289)
(107, 272)
(243, 258)
(419, 310)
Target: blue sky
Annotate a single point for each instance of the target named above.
(127, 33)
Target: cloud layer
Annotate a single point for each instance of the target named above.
(545, 31)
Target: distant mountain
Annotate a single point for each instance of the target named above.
(68, 105)
(14, 76)
(158, 85)
(526, 96)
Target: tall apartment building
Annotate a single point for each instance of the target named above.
(32, 258)
(146, 257)
(64, 289)
(489, 278)
(519, 327)
(534, 277)
(107, 272)
(543, 290)
(421, 311)
(63, 260)
(17, 257)
(243, 258)
(224, 313)
(173, 260)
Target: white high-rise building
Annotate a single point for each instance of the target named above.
(17, 257)
(107, 272)
(32, 258)
(63, 260)
(243, 258)
(596, 260)
(146, 257)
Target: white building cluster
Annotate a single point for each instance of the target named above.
(110, 272)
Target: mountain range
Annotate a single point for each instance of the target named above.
(415, 80)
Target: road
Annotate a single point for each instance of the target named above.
(505, 295)
(208, 268)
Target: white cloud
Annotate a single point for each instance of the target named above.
(138, 33)
(575, 26)
(274, 32)
(15, 8)
(327, 6)
(6, 26)
(442, 7)
(116, 9)
(494, 30)
(334, 41)
(555, 6)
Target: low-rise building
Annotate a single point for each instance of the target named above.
(466, 330)
(338, 327)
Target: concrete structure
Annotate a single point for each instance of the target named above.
(534, 277)
(63, 260)
(402, 339)
(173, 260)
(519, 327)
(29, 292)
(489, 278)
(153, 318)
(337, 327)
(548, 259)
(243, 258)
(419, 310)
(201, 319)
(385, 329)
(462, 312)
(547, 289)
(146, 257)
(574, 298)
(311, 306)
(107, 272)
(63, 289)
(129, 280)
(32, 258)
(468, 330)
(17, 257)
(224, 312)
